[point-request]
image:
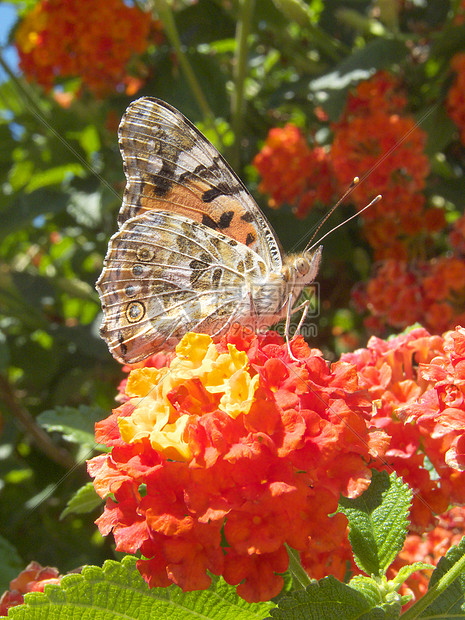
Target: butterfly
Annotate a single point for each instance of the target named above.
(193, 251)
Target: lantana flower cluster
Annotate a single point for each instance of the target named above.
(292, 172)
(228, 453)
(415, 384)
(431, 292)
(440, 412)
(392, 372)
(94, 41)
(377, 139)
(32, 579)
(407, 286)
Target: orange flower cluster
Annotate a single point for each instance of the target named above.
(81, 38)
(292, 172)
(32, 579)
(457, 236)
(381, 93)
(389, 370)
(428, 292)
(376, 140)
(455, 102)
(230, 452)
(440, 412)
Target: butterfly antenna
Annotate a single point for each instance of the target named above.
(370, 204)
(331, 211)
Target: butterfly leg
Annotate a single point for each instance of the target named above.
(290, 311)
(303, 306)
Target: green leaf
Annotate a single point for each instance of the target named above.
(330, 89)
(450, 602)
(83, 501)
(378, 522)
(118, 591)
(449, 41)
(368, 587)
(380, 593)
(86, 208)
(76, 424)
(90, 139)
(53, 176)
(295, 10)
(24, 208)
(10, 563)
(406, 571)
(438, 126)
(329, 599)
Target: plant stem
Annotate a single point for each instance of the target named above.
(296, 569)
(163, 8)
(444, 582)
(240, 69)
(42, 440)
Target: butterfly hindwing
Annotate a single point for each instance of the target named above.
(166, 275)
(171, 166)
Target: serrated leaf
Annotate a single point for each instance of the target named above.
(406, 571)
(83, 501)
(76, 424)
(378, 522)
(329, 599)
(451, 602)
(381, 593)
(118, 591)
(368, 587)
(10, 563)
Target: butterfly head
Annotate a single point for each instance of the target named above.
(303, 268)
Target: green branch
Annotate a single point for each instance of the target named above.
(240, 71)
(163, 9)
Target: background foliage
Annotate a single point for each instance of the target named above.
(237, 71)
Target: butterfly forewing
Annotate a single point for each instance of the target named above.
(171, 166)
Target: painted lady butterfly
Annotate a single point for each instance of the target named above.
(193, 252)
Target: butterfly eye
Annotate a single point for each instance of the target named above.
(135, 311)
(302, 266)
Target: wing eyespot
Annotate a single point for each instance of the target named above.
(135, 311)
(145, 255)
(130, 290)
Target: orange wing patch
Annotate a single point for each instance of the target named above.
(229, 216)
